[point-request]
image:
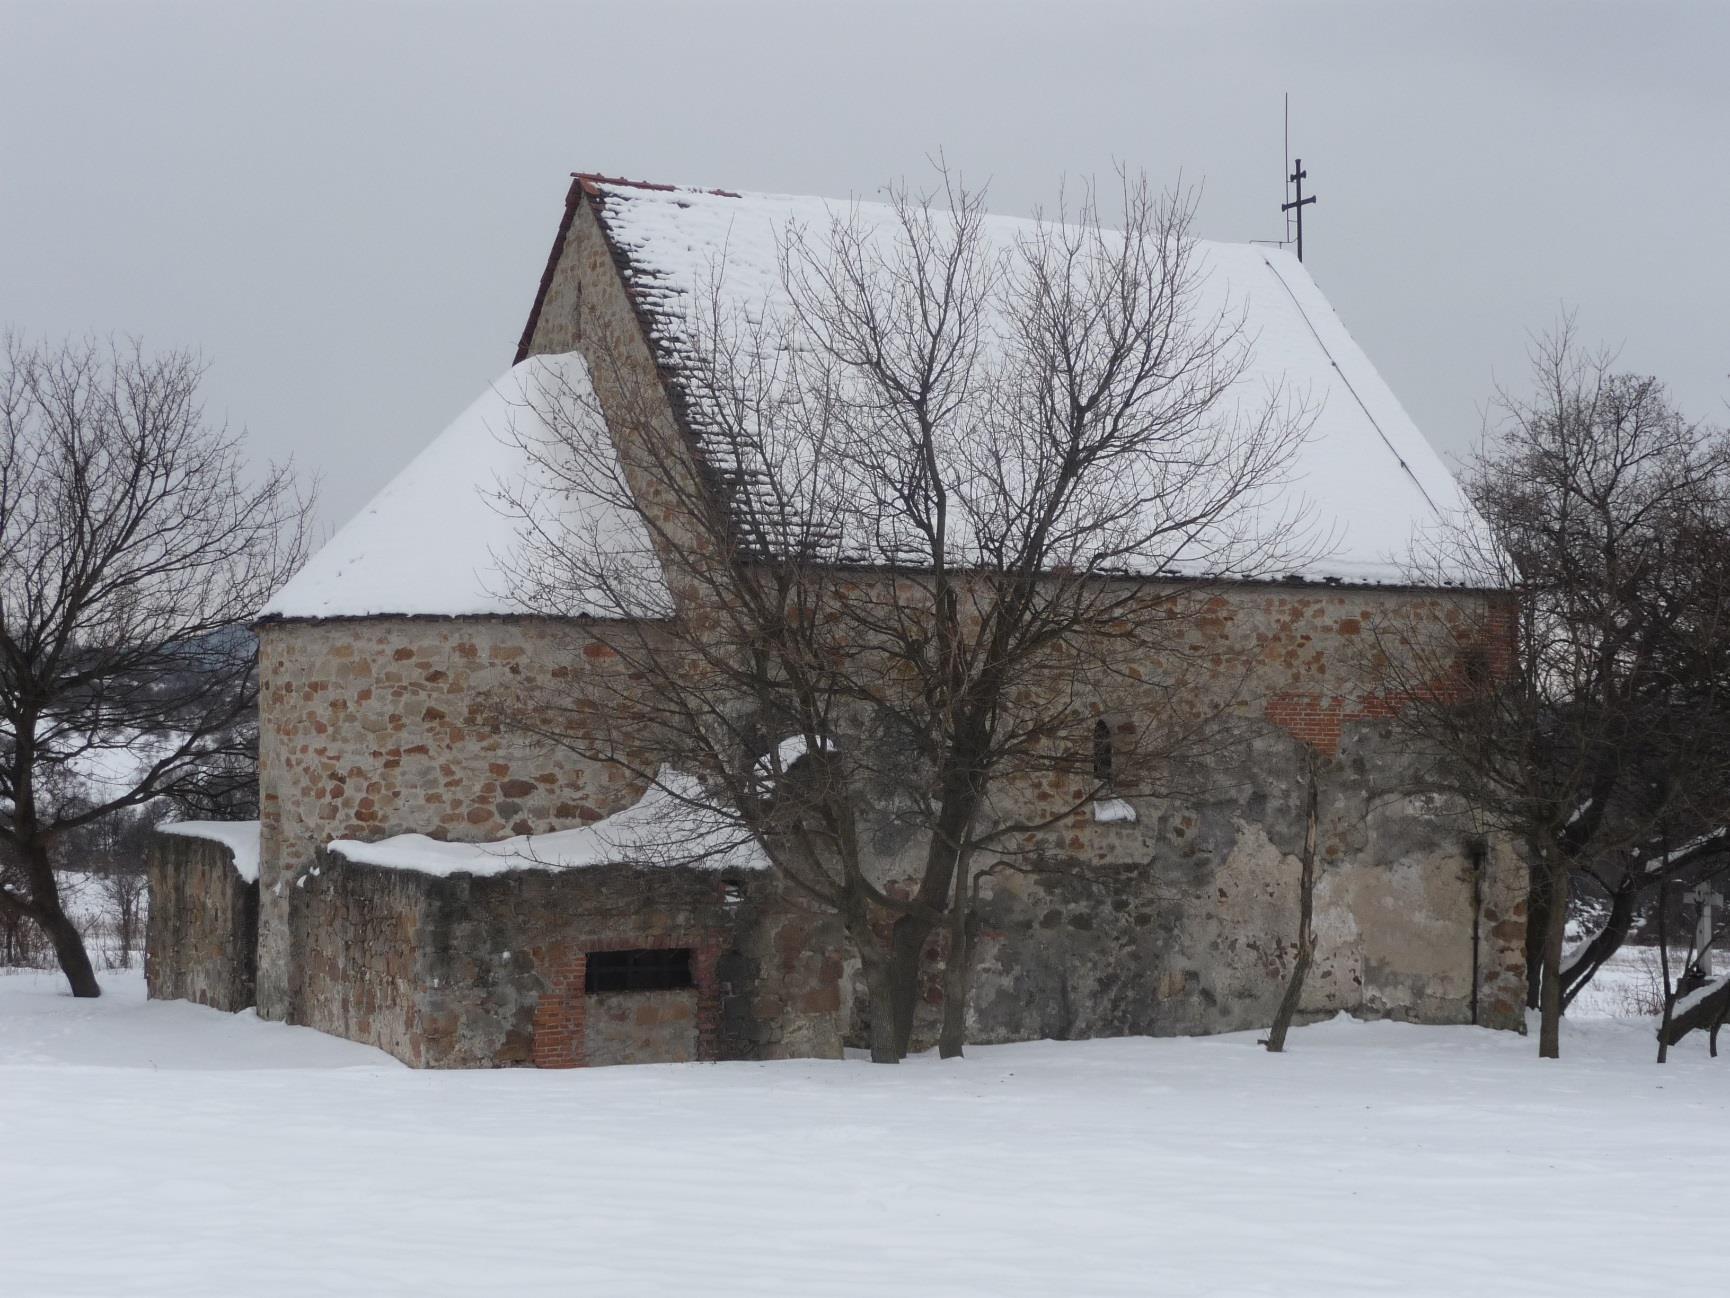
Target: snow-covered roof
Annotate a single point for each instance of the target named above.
(671, 824)
(240, 837)
(1367, 480)
(438, 539)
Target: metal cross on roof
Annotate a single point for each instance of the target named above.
(1297, 177)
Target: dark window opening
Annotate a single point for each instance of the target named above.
(1104, 758)
(658, 970)
(1475, 663)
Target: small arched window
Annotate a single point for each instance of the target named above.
(1104, 756)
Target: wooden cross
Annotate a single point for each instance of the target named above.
(1298, 204)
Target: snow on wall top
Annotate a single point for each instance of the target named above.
(240, 837)
(671, 823)
(1368, 481)
(437, 540)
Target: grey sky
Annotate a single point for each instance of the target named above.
(347, 206)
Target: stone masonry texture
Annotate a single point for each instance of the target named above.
(201, 938)
(381, 726)
(1184, 921)
(477, 972)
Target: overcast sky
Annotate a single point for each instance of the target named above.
(347, 206)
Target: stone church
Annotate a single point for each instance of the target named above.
(445, 887)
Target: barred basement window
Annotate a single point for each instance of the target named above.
(657, 970)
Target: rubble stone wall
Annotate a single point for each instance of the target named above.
(371, 727)
(465, 971)
(1419, 915)
(201, 937)
(1184, 919)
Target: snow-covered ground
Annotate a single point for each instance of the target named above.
(157, 1149)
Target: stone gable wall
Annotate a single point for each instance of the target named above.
(587, 308)
(201, 937)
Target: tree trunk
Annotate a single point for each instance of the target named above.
(1555, 929)
(1306, 942)
(945, 858)
(51, 918)
(68, 949)
(1537, 925)
(906, 957)
(955, 971)
(1669, 1007)
(880, 999)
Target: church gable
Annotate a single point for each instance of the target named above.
(1367, 481)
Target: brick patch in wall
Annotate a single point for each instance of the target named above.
(561, 1016)
(1319, 720)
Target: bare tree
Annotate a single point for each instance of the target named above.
(943, 490)
(1304, 953)
(133, 548)
(1593, 733)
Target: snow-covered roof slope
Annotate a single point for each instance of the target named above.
(437, 539)
(1366, 479)
(239, 836)
(672, 824)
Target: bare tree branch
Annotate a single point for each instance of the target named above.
(921, 511)
(134, 548)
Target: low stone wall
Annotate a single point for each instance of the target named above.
(356, 970)
(465, 971)
(201, 940)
